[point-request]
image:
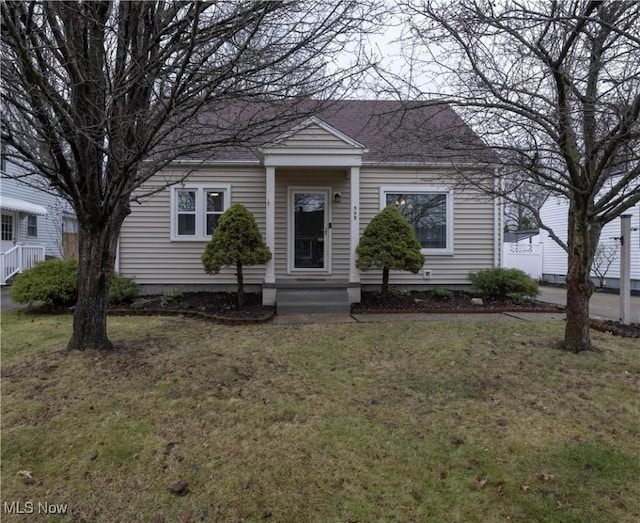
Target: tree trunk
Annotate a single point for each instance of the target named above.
(240, 284)
(582, 240)
(96, 256)
(385, 280)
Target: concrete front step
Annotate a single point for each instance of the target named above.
(312, 300)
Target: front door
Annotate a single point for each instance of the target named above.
(309, 230)
(8, 231)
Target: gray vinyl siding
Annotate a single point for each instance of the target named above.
(146, 251)
(314, 137)
(473, 234)
(148, 254)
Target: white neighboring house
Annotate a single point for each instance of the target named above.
(554, 213)
(33, 223)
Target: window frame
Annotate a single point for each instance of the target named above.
(200, 209)
(448, 250)
(32, 228)
(8, 227)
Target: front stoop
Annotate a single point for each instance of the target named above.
(312, 299)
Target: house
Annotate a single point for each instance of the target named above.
(33, 221)
(554, 213)
(313, 188)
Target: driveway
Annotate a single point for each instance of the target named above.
(7, 303)
(602, 304)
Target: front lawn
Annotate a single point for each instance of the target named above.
(425, 422)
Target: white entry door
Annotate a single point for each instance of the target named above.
(8, 231)
(309, 230)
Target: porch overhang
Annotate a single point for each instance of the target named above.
(287, 157)
(14, 204)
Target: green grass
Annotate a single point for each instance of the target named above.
(397, 422)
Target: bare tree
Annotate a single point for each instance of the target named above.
(98, 96)
(554, 87)
(523, 204)
(606, 254)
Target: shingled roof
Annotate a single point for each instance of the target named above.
(393, 132)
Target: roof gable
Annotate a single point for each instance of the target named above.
(316, 134)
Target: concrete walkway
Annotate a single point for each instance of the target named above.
(602, 304)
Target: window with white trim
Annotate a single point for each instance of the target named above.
(32, 226)
(7, 227)
(196, 209)
(429, 209)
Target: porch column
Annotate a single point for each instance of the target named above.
(354, 215)
(269, 290)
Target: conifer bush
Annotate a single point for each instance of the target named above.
(236, 242)
(389, 242)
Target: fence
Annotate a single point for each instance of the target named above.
(524, 256)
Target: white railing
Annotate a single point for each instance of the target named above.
(18, 259)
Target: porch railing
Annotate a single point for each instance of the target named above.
(18, 259)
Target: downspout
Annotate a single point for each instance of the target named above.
(116, 265)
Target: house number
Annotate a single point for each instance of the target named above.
(355, 212)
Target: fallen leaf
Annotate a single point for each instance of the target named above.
(481, 482)
(524, 487)
(500, 487)
(456, 441)
(25, 474)
(543, 476)
(566, 504)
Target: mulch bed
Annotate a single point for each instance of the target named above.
(615, 327)
(459, 302)
(222, 307)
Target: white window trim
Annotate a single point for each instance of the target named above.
(201, 212)
(422, 189)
